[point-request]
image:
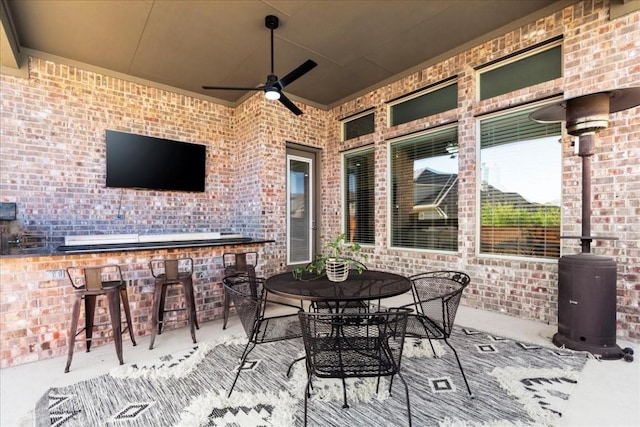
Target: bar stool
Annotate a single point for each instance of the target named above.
(169, 272)
(237, 263)
(89, 283)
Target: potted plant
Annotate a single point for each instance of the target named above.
(341, 256)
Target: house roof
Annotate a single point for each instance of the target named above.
(358, 45)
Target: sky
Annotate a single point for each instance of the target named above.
(532, 168)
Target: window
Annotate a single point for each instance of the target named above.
(358, 125)
(424, 104)
(424, 195)
(359, 194)
(521, 183)
(528, 69)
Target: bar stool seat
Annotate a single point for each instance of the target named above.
(241, 263)
(172, 272)
(89, 283)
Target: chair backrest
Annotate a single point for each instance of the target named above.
(344, 345)
(246, 294)
(93, 278)
(240, 262)
(171, 269)
(437, 295)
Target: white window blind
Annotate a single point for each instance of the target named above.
(521, 172)
(424, 172)
(359, 203)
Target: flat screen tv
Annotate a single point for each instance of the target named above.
(137, 161)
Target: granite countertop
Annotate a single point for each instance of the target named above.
(53, 249)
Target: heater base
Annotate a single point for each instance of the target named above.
(605, 352)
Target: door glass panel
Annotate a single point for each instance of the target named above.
(299, 210)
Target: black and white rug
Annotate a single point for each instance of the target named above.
(514, 383)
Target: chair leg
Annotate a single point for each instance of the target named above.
(247, 349)
(191, 312)
(163, 297)
(89, 313)
(193, 307)
(155, 313)
(293, 363)
(435, 356)
(116, 321)
(225, 312)
(406, 393)
(75, 314)
(464, 377)
(124, 297)
(306, 397)
(344, 392)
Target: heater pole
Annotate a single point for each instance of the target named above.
(586, 150)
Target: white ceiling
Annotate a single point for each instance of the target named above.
(358, 45)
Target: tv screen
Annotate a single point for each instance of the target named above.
(136, 161)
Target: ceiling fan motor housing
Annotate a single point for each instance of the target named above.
(273, 86)
(271, 22)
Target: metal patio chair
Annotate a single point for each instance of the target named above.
(354, 345)
(237, 263)
(249, 299)
(436, 297)
(88, 284)
(170, 273)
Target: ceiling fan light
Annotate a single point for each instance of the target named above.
(272, 94)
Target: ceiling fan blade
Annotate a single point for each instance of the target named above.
(273, 86)
(233, 87)
(290, 105)
(303, 69)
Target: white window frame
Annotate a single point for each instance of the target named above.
(343, 190)
(390, 206)
(479, 171)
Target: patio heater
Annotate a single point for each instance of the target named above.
(587, 282)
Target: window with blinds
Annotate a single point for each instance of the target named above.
(424, 193)
(359, 194)
(520, 186)
(424, 104)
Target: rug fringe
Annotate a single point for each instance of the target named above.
(163, 371)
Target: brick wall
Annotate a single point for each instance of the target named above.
(36, 302)
(599, 54)
(53, 166)
(53, 154)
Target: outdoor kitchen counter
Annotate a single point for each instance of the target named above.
(130, 243)
(36, 295)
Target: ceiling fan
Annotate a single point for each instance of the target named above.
(273, 86)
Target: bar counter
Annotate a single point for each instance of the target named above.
(36, 295)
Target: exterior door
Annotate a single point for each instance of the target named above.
(301, 215)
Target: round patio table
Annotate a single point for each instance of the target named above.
(368, 285)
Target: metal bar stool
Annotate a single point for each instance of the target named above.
(89, 283)
(235, 264)
(169, 272)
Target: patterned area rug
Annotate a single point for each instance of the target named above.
(514, 383)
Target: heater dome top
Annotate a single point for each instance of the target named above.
(588, 113)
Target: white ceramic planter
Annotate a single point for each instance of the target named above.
(337, 271)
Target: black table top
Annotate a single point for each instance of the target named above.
(368, 285)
